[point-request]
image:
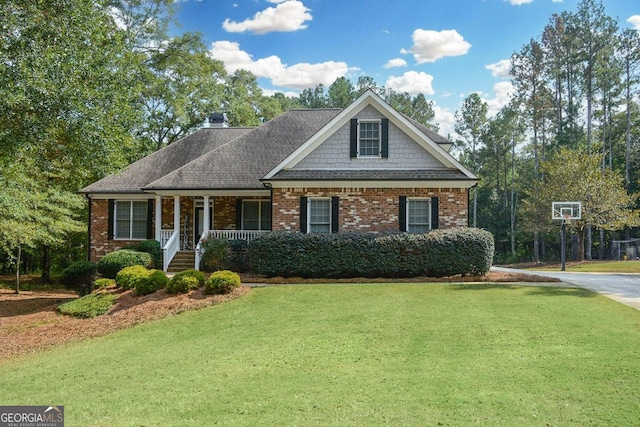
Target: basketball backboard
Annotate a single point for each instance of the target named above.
(566, 210)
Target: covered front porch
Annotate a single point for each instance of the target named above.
(182, 222)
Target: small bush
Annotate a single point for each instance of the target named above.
(185, 281)
(126, 278)
(88, 306)
(103, 283)
(152, 282)
(110, 264)
(152, 247)
(221, 282)
(214, 254)
(79, 277)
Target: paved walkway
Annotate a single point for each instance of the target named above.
(621, 287)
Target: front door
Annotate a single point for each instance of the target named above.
(199, 223)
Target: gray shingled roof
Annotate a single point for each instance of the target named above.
(242, 163)
(370, 175)
(435, 137)
(238, 158)
(156, 165)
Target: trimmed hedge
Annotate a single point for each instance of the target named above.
(152, 282)
(223, 254)
(222, 282)
(439, 253)
(110, 264)
(127, 277)
(142, 280)
(185, 281)
(79, 277)
(152, 247)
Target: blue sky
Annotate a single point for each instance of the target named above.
(445, 49)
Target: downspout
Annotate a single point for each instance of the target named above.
(89, 229)
(270, 187)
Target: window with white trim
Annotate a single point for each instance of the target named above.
(319, 215)
(418, 215)
(368, 138)
(130, 219)
(256, 215)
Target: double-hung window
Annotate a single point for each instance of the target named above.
(130, 219)
(418, 215)
(319, 215)
(369, 138)
(256, 215)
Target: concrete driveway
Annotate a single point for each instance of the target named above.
(622, 287)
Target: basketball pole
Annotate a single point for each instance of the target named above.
(562, 244)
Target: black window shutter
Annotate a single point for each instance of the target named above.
(110, 219)
(335, 214)
(238, 214)
(303, 214)
(384, 149)
(353, 146)
(434, 213)
(402, 213)
(150, 234)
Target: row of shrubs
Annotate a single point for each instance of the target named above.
(439, 253)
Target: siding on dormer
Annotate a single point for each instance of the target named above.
(404, 153)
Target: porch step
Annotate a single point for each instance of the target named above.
(184, 260)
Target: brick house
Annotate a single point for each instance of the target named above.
(363, 168)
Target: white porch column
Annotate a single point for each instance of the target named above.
(176, 214)
(205, 215)
(158, 218)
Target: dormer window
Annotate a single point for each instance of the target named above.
(369, 138)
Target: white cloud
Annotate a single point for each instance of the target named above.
(289, 15)
(411, 82)
(521, 2)
(502, 93)
(429, 46)
(446, 120)
(395, 62)
(635, 21)
(500, 69)
(298, 76)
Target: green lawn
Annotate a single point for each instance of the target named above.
(401, 355)
(599, 267)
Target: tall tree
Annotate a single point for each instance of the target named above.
(629, 53)
(341, 93)
(471, 122)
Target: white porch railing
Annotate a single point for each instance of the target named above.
(170, 249)
(165, 235)
(226, 234)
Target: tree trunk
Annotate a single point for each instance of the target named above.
(536, 246)
(586, 247)
(18, 261)
(45, 265)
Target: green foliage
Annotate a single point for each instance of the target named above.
(103, 283)
(153, 281)
(126, 278)
(221, 282)
(88, 306)
(214, 254)
(152, 247)
(110, 264)
(79, 276)
(185, 281)
(458, 251)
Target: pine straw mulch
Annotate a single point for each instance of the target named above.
(29, 322)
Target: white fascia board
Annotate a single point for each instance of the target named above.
(120, 196)
(372, 184)
(206, 192)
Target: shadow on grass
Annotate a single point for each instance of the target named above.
(551, 291)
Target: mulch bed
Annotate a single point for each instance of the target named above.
(29, 322)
